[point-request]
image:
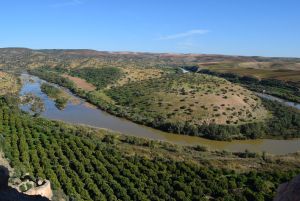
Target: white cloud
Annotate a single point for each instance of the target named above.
(65, 3)
(184, 34)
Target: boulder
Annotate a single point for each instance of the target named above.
(289, 191)
(39, 182)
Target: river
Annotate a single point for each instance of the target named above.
(285, 102)
(80, 112)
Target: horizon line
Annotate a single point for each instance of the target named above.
(153, 52)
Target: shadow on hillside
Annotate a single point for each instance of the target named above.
(10, 194)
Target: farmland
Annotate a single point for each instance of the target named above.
(96, 165)
(285, 71)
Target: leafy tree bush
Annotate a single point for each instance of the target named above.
(284, 122)
(100, 77)
(89, 169)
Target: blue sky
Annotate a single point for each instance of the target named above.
(234, 27)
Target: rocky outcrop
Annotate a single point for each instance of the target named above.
(289, 191)
(43, 190)
(8, 193)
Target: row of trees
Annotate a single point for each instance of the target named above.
(87, 169)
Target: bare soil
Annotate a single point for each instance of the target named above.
(81, 83)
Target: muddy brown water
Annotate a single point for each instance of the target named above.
(79, 112)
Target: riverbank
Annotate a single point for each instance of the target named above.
(82, 161)
(97, 118)
(286, 119)
(278, 88)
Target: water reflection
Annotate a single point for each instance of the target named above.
(287, 103)
(80, 112)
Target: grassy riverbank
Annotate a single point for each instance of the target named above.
(151, 102)
(93, 164)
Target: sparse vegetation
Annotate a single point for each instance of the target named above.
(89, 164)
(283, 89)
(180, 103)
(156, 98)
(88, 168)
(9, 84)
(35, 103)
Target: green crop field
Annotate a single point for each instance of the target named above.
(88, 164)
(88, 167)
